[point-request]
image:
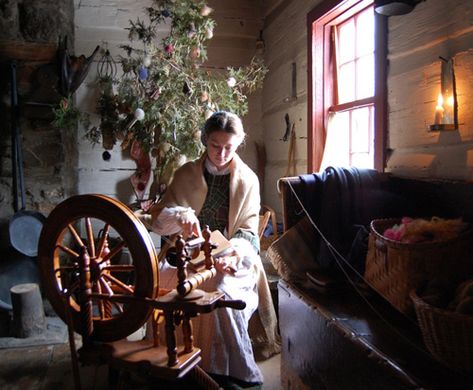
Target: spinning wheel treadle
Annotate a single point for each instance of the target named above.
(105, 228)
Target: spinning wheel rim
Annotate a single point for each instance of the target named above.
(132, 232)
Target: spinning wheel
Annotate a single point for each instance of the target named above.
(109, 233)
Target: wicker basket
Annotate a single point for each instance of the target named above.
(447, 335)
(394, 268)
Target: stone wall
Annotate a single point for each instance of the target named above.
(30, 31)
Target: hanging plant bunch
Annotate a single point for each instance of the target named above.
(164, 93)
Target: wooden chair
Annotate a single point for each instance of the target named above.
(266, 213)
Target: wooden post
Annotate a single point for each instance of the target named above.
(28, 311)
(187, 334)
(207, 248)
(170, 338)
(85, 300)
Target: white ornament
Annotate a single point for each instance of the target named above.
(147, 61)
(206, 10)
(139, 114)
(231, 81)
(208, 113)
(209, 33)
(165, 147)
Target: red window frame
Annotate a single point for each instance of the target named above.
(320, 86)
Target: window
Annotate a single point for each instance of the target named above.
(347, 58)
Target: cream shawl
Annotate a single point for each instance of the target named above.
(189, 189)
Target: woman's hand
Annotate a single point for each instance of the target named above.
(226, 264)
(145, 218)
(190, 224)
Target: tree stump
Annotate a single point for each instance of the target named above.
(28, 311)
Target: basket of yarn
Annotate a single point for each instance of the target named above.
(404, 253)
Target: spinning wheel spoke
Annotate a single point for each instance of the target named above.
(68, 250)
(75, 235)
(119, 284)
(110, 292)
(105, 286)
(113, 252)
(90, 237)
(104, 240)
(66, 277)
(119, 268)
(73, 288)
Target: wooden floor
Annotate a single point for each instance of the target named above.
(49, 367)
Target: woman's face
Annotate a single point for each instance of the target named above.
(221, 147)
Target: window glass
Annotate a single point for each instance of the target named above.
(346, 39)
(342, 124)
(346, 83)
(360, 130)
(365, 77)
(365, 32)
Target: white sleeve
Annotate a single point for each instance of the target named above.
(168, 221)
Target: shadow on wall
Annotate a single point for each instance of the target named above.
(451, 160)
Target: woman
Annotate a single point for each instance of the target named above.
(221, 191)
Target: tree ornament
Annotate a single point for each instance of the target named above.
(191, 32)
(206, 10)
(204, 96)
(195, 52)
(165, 147)
(139, 114)
(169, 48)
(143, 73)
(208, 113)
(155, 94)
(197, 134)
(147, 61)
(209, 33)
(231, 82)
(165, 13)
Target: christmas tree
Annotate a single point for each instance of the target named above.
(164, 93)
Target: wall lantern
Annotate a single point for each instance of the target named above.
(393, 7)
(446, 109)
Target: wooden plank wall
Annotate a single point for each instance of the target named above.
(435, 28)
(285, 39)
(103, 23)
